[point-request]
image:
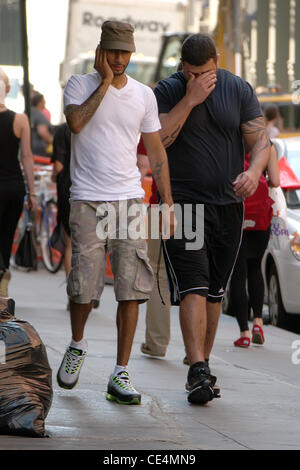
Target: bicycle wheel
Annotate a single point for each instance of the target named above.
(52, 258)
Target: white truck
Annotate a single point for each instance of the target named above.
(15, 98)
(150, 18)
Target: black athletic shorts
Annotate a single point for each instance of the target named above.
(204, 271)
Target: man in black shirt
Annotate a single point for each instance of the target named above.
(207, 114)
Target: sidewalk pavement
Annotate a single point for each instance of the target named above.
(259, 408)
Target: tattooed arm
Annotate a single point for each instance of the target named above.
(159, 165)
(160, 170)
(198, 88)
(172, 123)
(78, 116)
(258, 143)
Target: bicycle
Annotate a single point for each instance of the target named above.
(46, 219)
(43, 219)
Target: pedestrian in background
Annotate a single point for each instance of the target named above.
(106, 111)
(247, 274)
(14, 135)
(44, 110)
(273, 120)
(41, 129)
(158, 320)
(206, 113)
(157, 333)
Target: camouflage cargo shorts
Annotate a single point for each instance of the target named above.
(133, 275)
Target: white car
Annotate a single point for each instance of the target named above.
(281, 262)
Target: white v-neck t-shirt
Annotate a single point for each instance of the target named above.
(104, 154)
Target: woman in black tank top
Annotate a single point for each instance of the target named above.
(14, 133)
(11, 178)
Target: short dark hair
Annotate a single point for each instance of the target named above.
(36, 99)
(271, 112)
(198, 49)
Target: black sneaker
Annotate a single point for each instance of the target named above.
(216, 388)
(200, 384)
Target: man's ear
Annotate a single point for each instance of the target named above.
(218, 60)
(180, 65)
(7, 88)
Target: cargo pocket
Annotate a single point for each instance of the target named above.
(144, 279)
(73, 286)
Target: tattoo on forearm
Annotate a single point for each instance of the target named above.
(169, 139)
(156, 171)
(263, 142)
(84, 112)
(160, 172)
(257, 128)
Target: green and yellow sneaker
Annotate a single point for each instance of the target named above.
(68, 373)
(121, 390)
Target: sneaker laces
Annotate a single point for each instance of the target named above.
(123, 380)
(198, 375)
(74, 358)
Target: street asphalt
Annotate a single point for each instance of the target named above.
(259, 407)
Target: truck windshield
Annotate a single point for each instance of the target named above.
(142, 72)
(170, 57)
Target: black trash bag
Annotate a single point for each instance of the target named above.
(57, 240)
(26, 256)
(25, 376)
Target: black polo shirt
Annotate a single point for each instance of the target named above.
(208, 154)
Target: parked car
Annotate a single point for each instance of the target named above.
(281, 262)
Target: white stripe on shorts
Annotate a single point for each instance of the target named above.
(194, 288)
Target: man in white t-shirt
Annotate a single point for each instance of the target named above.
(106, 111)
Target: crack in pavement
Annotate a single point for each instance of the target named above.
(157, 412)
(263, 374)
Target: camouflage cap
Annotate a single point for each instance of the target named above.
(117, 35)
